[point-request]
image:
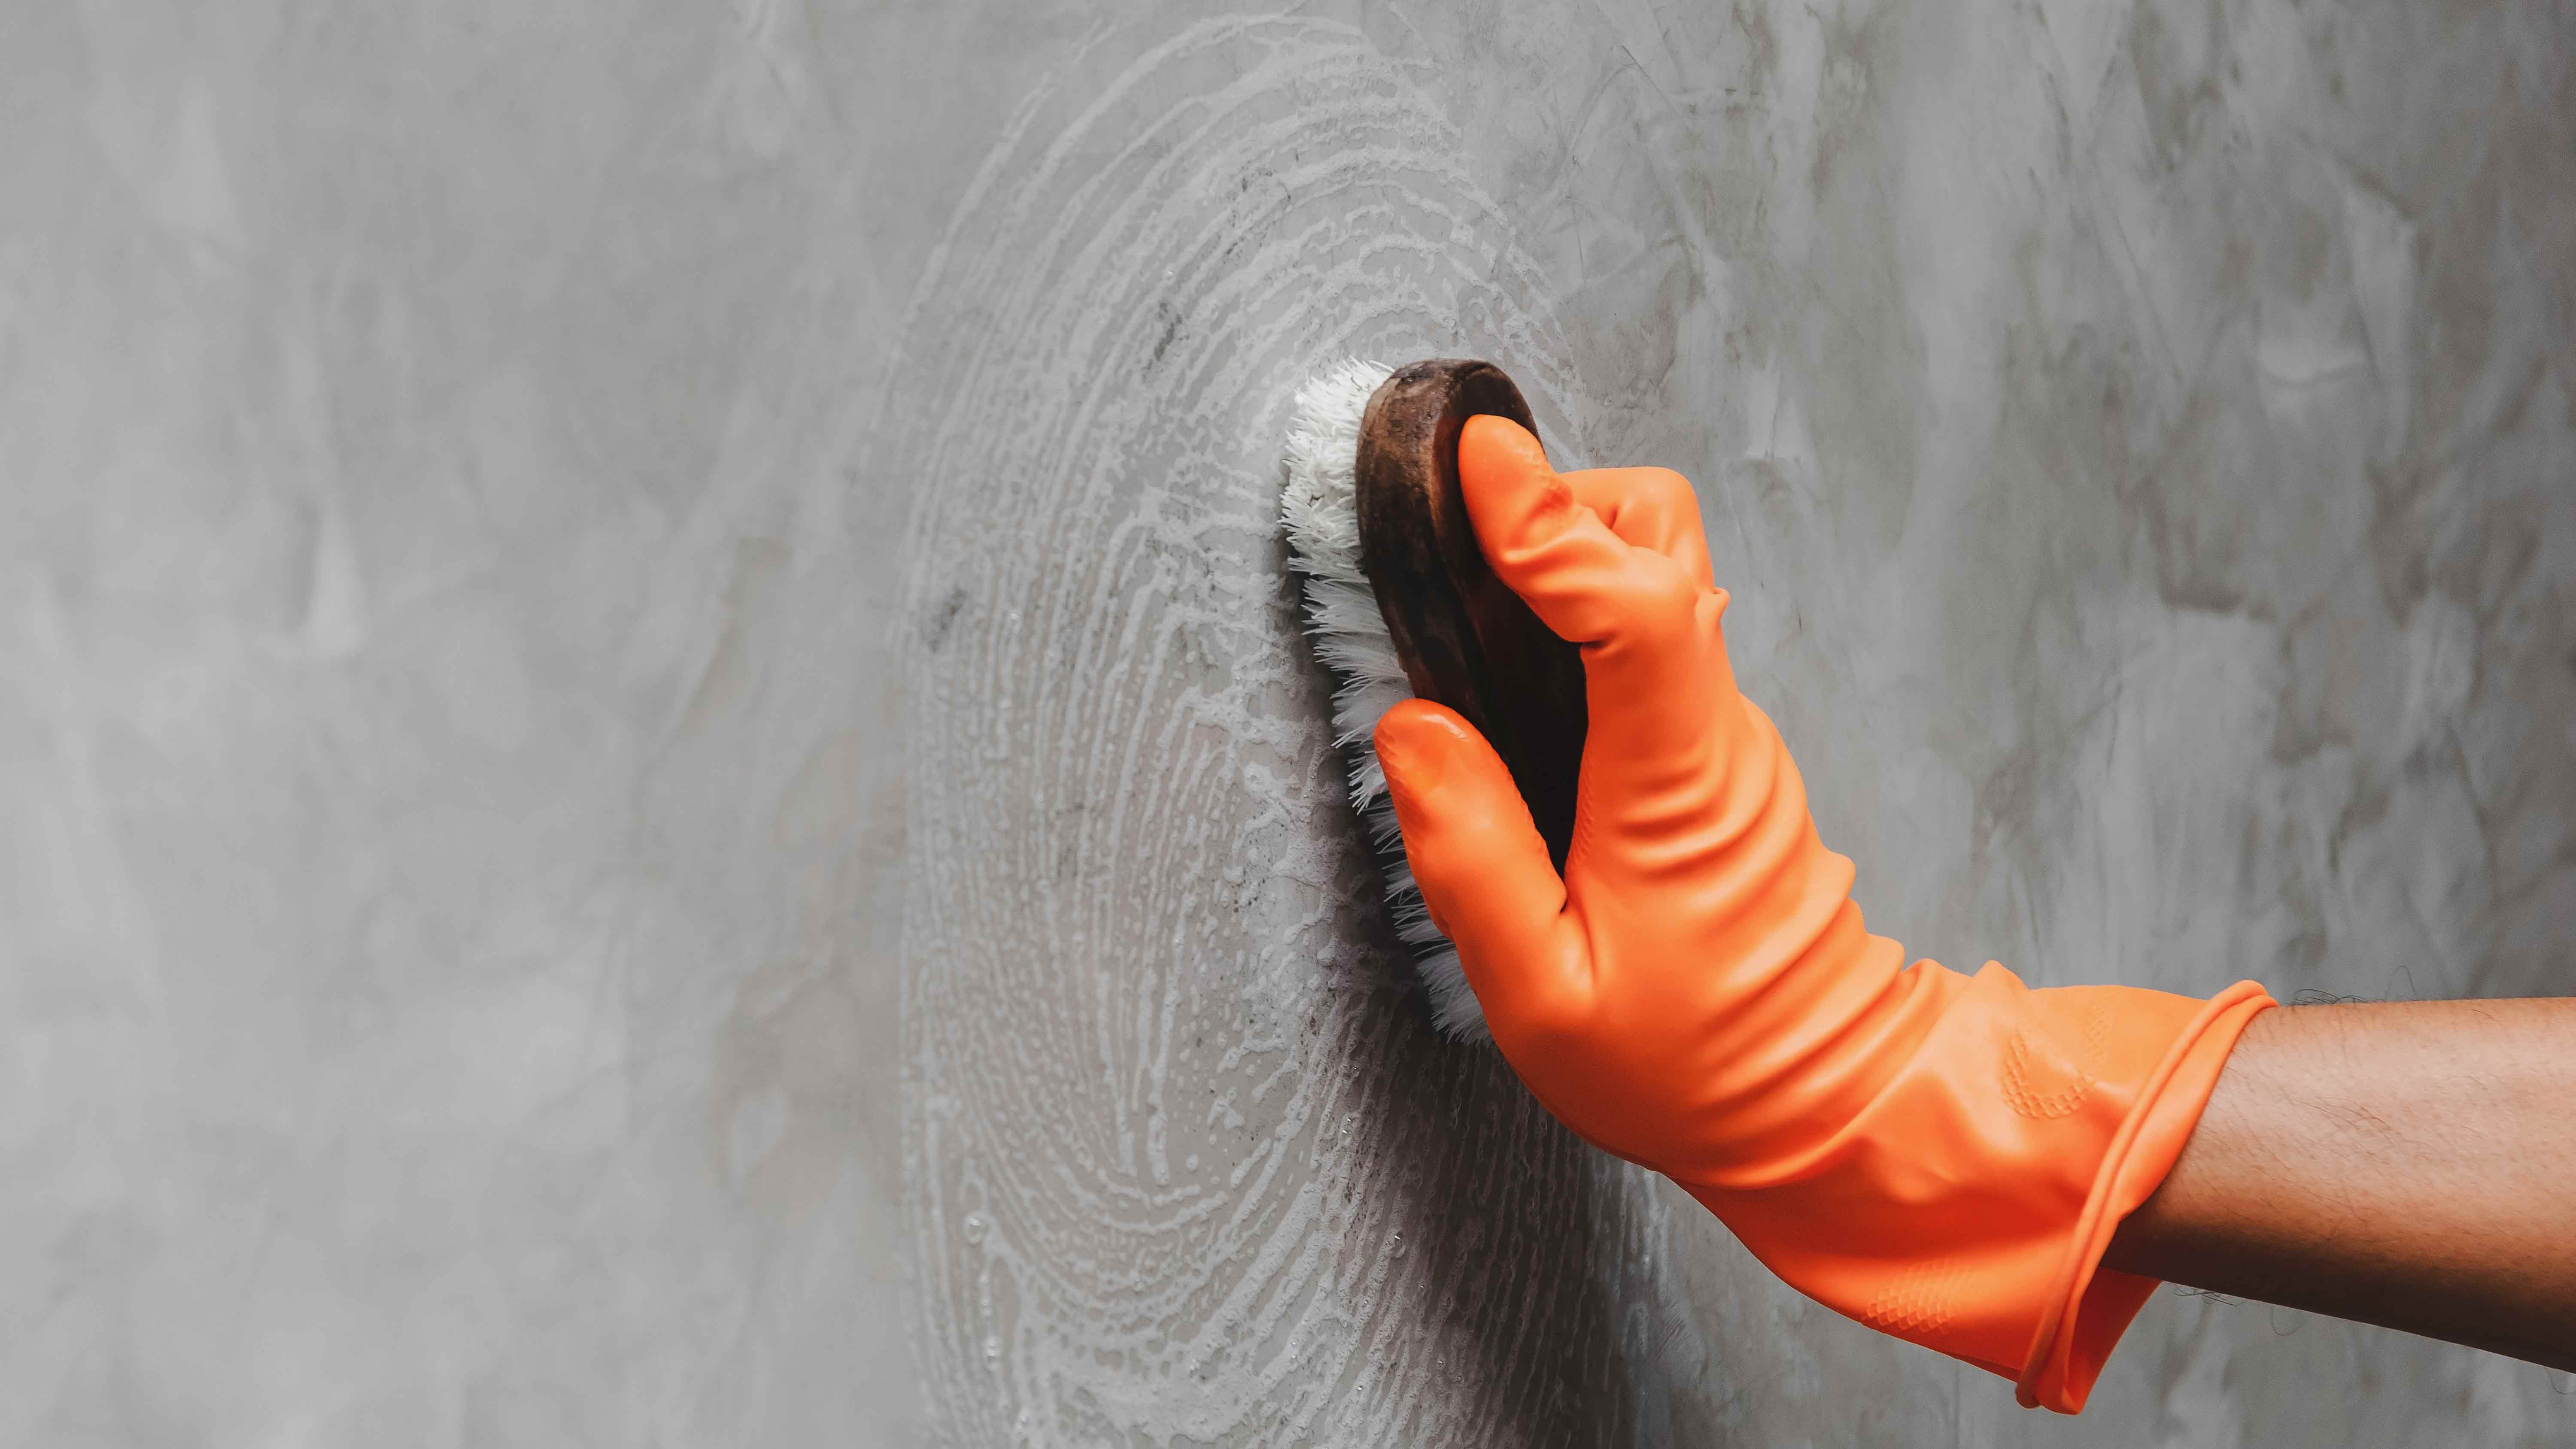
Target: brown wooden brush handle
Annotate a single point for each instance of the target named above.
(1466, 640)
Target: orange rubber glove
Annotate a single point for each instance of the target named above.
(1942, 1157)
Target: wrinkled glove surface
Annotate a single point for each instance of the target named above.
(1940, 1156)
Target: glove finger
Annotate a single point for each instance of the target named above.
(1483, 870)
(1661, 697)
(1583, 580)
(1650, 508)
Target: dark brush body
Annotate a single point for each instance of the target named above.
(1464, 638)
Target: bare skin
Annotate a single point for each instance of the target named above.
(2408, 1164)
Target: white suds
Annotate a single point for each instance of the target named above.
(1320, 510)
(1179, 1166)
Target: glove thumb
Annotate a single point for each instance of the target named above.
(1483, 870)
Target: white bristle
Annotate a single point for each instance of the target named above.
(1321, 512)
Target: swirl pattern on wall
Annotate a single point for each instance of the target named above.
(1182, 1165)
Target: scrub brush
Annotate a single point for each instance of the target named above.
(1400, 603)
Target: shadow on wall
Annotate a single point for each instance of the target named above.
(1521, 1228)
(1523, 1232)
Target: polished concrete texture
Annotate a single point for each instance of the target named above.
(656, 787)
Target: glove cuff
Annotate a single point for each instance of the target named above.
(2090, 1306)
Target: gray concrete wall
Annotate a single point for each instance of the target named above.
(655, 784)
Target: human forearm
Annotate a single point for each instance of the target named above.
(1991, 1170)
(2409, 1164)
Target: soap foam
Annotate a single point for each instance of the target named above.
(1181, 1166)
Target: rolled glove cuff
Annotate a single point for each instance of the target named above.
(2090, 1306)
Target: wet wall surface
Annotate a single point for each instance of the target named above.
(656, 785)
